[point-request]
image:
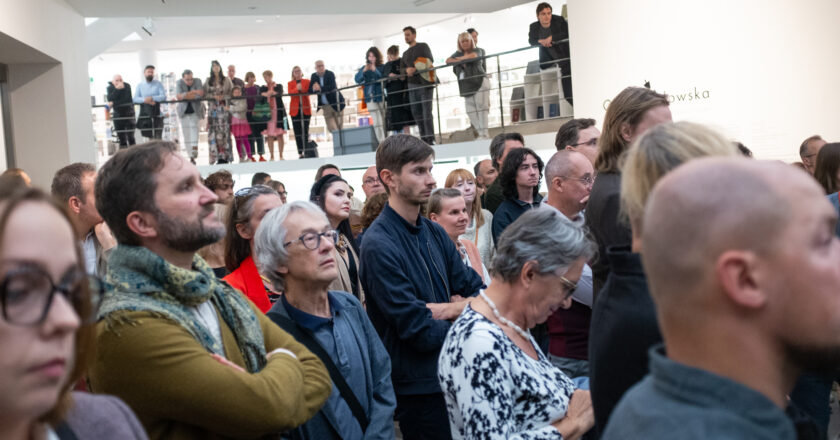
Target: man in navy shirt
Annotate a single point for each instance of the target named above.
(415, 285)
(744, 275)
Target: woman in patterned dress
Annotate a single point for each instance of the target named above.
(496, 382)
(219, 87)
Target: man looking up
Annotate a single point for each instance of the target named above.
(73, 186)
(415, 283)
(579, 135)
(294, 248)
(189, 354)
(736, 339)
(149, 94)
(569, 176)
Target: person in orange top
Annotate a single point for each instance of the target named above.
(299, 108)
(249, 207)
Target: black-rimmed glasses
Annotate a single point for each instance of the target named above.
(27, 293)
(312, 240)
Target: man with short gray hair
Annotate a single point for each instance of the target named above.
(190, 110)
(569, 176)
(294, 247)
(330, 100)
(736, 336)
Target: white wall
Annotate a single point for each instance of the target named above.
(49, 102)
(765, 71)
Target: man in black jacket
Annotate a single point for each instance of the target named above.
(551, 33)
(120, 100)
(415, 283)
(330, 101)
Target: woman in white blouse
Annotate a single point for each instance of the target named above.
(480, 225)
(448, 209)
(496, 382)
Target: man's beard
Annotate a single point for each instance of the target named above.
(407, 195)
(149, 78)
(814, 359)
(185, 237)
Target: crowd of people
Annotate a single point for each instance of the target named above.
(398, 94)
(647, 292)
(665, 285)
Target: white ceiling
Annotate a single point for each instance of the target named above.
(361, 8)
(231, 31)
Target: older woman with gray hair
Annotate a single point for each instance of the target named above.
(496, 382)
(294, 248)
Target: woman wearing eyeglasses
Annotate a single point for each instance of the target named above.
(249, 207)
(45, 330)
(496, 381)
(334, 196)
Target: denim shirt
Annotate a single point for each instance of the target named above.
(353, 345)
(370, 79)
(679, 401)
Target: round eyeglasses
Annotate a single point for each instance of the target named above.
(312, 240)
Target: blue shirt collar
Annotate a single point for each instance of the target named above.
(309, 321)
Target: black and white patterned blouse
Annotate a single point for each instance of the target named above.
(493, 389)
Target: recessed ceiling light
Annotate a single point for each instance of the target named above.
(259, 20)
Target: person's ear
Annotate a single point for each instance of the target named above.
(557, 182)
(244, 231)
(737, 273)
(626, 132)
(142, 224)
(528, 273)
(387, 177)
(433, 217)
(74, 204)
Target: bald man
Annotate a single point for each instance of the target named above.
(371, 184)
(745, 276)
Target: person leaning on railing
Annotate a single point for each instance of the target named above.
(472, 81)
(119, 99)
(399, 110)
(369, 76)
(551, 33)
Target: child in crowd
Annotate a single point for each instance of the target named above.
(239, 125)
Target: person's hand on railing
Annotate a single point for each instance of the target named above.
(149, 100)
(545, 41)
(392, 74)
(316, 87)
(410, 71)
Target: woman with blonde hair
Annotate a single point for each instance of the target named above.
(472, 81)
(624, 322)
(479, 229)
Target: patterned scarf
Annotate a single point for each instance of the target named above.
(138, 279)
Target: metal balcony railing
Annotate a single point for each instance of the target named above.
(513, 95)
